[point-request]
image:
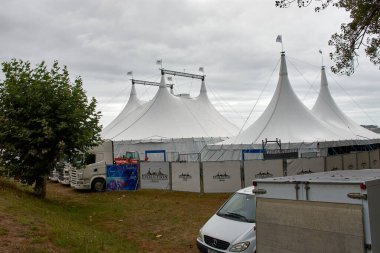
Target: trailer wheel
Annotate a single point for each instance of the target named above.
(98, 185)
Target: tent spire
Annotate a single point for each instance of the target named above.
(133, 91)
(283, 67)
(323, 77)
(163, 81)
(203, 87)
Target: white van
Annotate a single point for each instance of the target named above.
(233, 227)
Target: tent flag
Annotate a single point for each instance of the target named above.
(201, 69)
(130, 73)
(159, 62)
(320, 51)
(279, 38)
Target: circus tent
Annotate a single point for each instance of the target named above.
(177, 124)
(133, 103)
(286, 123)
(326, 109)
(288, 119)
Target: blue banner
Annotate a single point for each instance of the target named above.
(122, 177)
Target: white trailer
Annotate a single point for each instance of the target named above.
(329, 212)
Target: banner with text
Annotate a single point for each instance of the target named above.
(186, 177)
(154, 175)
(221, 176)
(375, 159)
(349, 162)
(258, 169)
(334, 162)
(363, 160)
(305, 166)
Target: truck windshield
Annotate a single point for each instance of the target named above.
(131, 155)
(241, 207)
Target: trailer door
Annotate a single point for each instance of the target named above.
(295, 226)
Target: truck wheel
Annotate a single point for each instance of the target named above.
(98, 185)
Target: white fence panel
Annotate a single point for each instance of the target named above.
(334, 162)
(186, 177)
(221, 176)
(305, 165)
(256, 169)
(349, 162)
(374, 159)
(363, 160)
(154, 175)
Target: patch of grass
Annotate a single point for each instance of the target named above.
(139, 221)
(3, 231)
(39, 239)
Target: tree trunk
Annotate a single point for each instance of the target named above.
(40, 187)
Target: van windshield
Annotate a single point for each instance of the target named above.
(241, 207)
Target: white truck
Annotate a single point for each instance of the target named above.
(64, 173)
(53, 175)
(92, 175)
(232, 227)
(329, 212)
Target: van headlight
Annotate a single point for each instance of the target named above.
(200, 236)
(80, 175)
(241, 246)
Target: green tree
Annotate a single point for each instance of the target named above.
(43, 116)
(362, 31)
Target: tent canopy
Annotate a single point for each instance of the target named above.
(288, 119)
(326, 109)
(170, 116)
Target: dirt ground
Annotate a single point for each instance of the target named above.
(25, 235)
(16, 237)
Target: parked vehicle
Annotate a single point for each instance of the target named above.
(335, 211)
(232, 227)
(92, 174)
(64, 173)
(53, 175)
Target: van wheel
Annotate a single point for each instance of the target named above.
(98, 185)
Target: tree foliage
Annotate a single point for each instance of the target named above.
(43, 116)
(362, 31)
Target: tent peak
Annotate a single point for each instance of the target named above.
(203, 87)
(323, 77)
(133, 91)
(283, 68)
(163, 81)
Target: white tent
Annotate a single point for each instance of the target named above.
(132, 104)
(168, 116)
(327, 110)
(288, 119)
(177, 124)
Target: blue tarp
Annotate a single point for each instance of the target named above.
(122, 177)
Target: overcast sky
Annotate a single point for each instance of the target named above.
(101, 40)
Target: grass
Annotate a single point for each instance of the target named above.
(72, 221)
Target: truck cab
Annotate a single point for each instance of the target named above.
(91, 174)
(232, 227)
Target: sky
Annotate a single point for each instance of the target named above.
(234, 41)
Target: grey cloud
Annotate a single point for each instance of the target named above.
(233, 40)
